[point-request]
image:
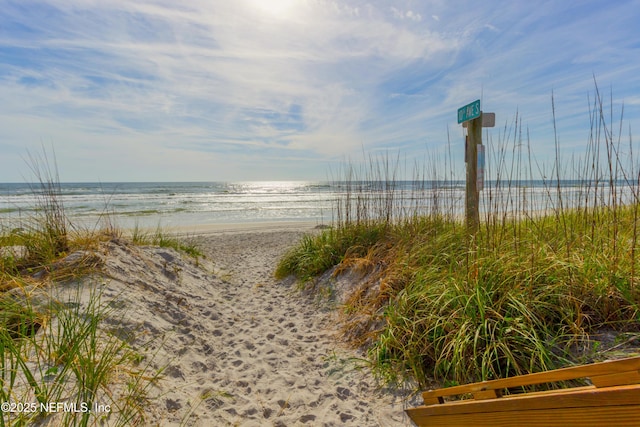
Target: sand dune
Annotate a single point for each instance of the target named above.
(238, 347)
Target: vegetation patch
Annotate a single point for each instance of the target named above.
(530, 291)
(58, 354)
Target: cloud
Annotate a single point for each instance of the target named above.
(316, 80)
(409, 14)
(210, 62)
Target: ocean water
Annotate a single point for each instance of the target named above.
(177, 204)
(168, 204)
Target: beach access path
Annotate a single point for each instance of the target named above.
(274, 347)
(237, 347)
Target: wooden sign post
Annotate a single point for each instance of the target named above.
(472, 210)
(474, 120)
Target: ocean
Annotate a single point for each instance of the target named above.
(167, 204)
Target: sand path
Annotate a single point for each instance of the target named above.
(274, 349)
(236, 347)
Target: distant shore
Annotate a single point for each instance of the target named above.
(243, 227)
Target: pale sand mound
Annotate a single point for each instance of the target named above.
(239, 348)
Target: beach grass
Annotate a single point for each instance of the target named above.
(56, 356)
(528, 292)
(163, 239)
(58, 350)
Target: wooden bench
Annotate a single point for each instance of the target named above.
(612, 399)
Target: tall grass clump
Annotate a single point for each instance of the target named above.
(50, 224)
(553, 263)
(56, 352)
(316, 254)
(163, 239)
(55, 343)
(34, 245)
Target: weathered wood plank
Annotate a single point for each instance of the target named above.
(564, 374)
(569, 398)
(618, 378)
(487, 394)
(594, 416)
(613, 399)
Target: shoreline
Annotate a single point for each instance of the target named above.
(243, 227)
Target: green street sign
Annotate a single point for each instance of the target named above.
(469, 112)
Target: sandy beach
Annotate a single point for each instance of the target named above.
(238, 348)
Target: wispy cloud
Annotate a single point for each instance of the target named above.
(241, 90)
(409, 14)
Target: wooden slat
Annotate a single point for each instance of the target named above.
(565, 374)
(435, 401)
(594, 416)
(570, 398)
(487, 394)
(619, 378)
(549, 392)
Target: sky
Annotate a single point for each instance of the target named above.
(218, 90)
